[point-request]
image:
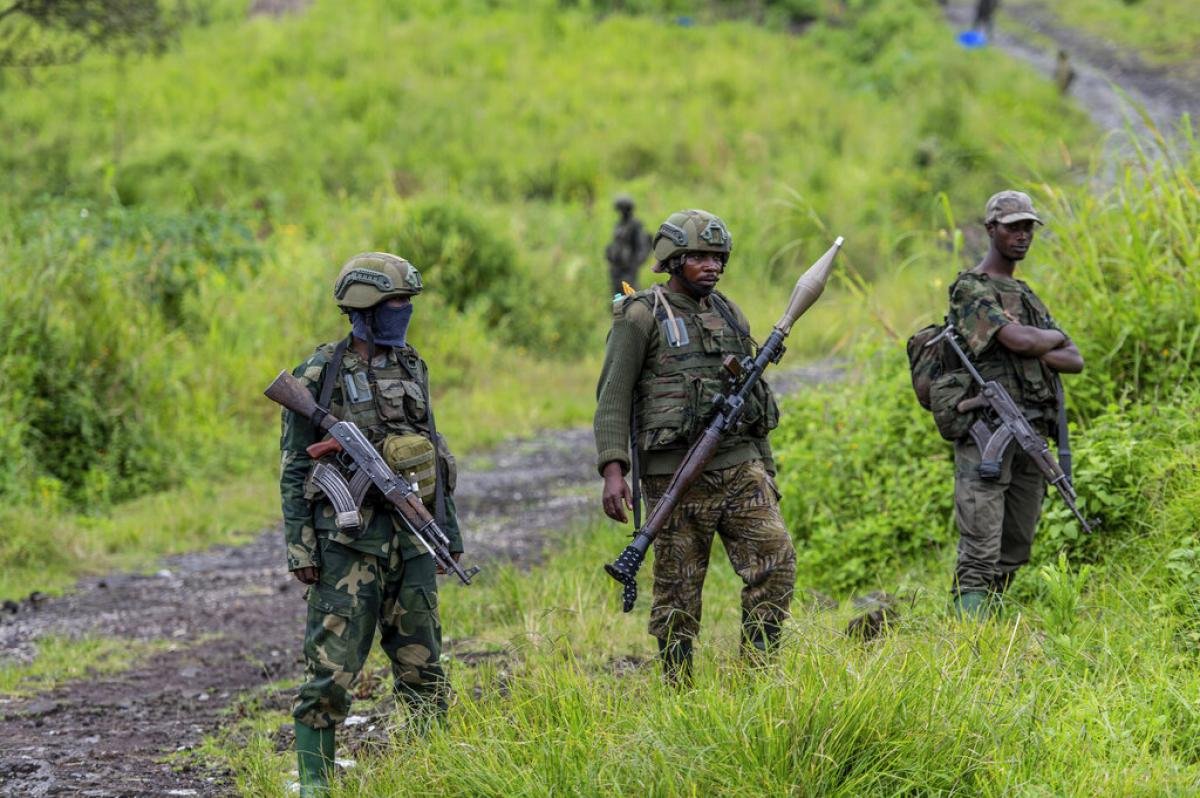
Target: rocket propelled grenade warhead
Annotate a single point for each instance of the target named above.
(808, 288)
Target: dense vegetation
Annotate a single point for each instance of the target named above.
(173, 224)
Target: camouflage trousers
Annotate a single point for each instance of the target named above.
(356, 593)
(741, 504)
(996, 518)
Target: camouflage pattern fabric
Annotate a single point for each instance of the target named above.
(979, 306)
(356, 593)
(996, 518)
(741, 504)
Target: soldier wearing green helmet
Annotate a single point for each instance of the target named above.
(662, 370)
(376, 575)
(629, 246)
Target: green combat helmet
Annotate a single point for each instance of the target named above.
(690, 231)
(371, 277)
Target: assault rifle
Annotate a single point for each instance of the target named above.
(1011, 425)
(368, 469)
(744, 374)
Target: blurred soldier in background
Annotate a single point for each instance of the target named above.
(629, 246)
(377, 575)
(985, 11)
(662, 369)
(1064, 73)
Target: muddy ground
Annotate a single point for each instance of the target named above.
(233, 618)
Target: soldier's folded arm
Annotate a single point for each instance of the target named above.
(1029, 341)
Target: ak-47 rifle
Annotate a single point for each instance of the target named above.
(744, 374)
(1011, 425)
(369, 469)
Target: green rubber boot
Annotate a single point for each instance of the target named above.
(971, 605)
(314, 756)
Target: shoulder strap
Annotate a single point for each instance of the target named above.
(439, 490)
(719, 303)
(332, 372)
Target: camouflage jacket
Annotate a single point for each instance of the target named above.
(395, 406)
(670, 389)
(980, 305)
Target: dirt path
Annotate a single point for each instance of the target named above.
(233, 619)
(1100, 67)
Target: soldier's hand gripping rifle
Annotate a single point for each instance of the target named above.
(370, 469)
(1011, 425)
(744, 373)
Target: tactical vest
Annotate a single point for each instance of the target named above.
(397, 404)
(676, 388)
(1030, 383)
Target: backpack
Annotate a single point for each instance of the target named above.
(940, 382)
(926, 363)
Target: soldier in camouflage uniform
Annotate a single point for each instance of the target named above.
(1012, 338)
(629, 246)
(378, 575)
(663, 365)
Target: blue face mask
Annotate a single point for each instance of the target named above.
(391, 324)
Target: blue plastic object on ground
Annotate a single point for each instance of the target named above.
(972, 39)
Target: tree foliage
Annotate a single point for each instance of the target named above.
(36, 33)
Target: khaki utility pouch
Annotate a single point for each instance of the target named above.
(412, 458)
(945, 393)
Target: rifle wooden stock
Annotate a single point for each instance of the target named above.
(288, 391)
(689, 471)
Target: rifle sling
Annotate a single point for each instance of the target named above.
(439, 487)
(332, 372)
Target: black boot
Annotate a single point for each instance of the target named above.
(676, 656)
(760, 637)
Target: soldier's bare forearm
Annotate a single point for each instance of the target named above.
(1065, 359)
(1023, 339)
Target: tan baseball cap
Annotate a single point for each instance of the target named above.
(1007, 207)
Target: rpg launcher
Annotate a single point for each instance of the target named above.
(368, 469)
(744, 374)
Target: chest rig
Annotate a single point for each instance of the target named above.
(1032, 385)
(683, 372)
(388, 400)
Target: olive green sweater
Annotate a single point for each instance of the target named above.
(633, 345)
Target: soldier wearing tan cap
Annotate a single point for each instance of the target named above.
(1012, 338)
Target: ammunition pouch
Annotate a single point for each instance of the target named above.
(945, 393)
(412, 458)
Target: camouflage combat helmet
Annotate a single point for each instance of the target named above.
(623, 202)
(690, 231)
(371, 277)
